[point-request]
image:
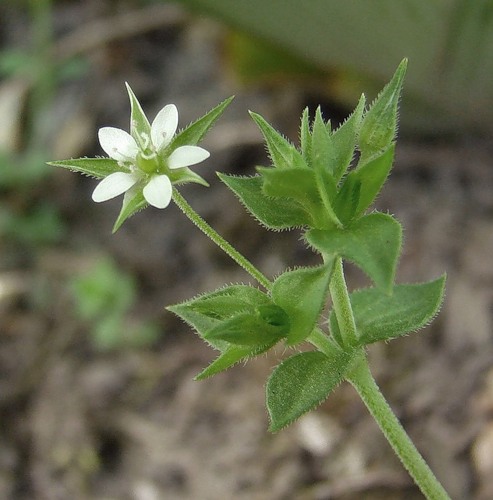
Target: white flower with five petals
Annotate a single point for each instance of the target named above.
(145, 161)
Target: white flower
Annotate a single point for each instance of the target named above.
(144, 161)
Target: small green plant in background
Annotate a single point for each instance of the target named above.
(104, 296)
(324, 189)
(30, 77)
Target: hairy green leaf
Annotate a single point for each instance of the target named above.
(231, 355)
(264, 325)
(362, 186)
(273, 213)
(372, 242)
(282, 153)
(379, 125)
(302, 294)
(382, 317)
(306, 138)
(345, 139)
(322, 149)
(301, 383)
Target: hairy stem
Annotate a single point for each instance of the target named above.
(364, 383)
(219, 240)
(342, 305)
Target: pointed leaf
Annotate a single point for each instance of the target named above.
(362, 186)
(379, 125)
(322, 147)
(273, 213)
(372, 242)
(95, 167)
(302, 293)
(139, 124)
(301, 383)
(282, 153)
(382, 317)
(305, 137)
(345, 139)
(193, 134)
(230, 356)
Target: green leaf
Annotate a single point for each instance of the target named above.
(379, 125)
(306, 138)
(133, 201)
(298, 184)
(322, 149)
(362, 185)
(302, 294)
(193, 134)
(139, 124)
(273, 213)
(301, 383)
(95, 167)
(372, 242)
(382, 317)
(345, 139)
(265, 325)
(282, 153)
(230, 356)
(205, 312)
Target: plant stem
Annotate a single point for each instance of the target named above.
(219, 240)
(342, 305)
(364, 383)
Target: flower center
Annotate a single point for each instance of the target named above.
(147, 163)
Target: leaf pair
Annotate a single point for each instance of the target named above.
(303, 381)
(241, 321)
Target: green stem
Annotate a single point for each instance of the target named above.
(364, 383)
(219, 240)
(342, 305)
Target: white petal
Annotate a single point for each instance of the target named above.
(113, 185)
(118, 144)
(184, 156)
(164, 126)
(158, 191)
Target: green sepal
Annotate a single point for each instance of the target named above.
(282, 153)
(94, 167)
(193, 134)
(273, 213)
(322, 148)
(133, 202)
(361, 186)
(302, 294)
(382, 317)
(230, 356)
(298, 184)
(344, 140)
(303, 382)
(373, 243)
(185, 175)
(139, 124)
(379, 125)
(266, 324)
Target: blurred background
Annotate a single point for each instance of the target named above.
(97, 399)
